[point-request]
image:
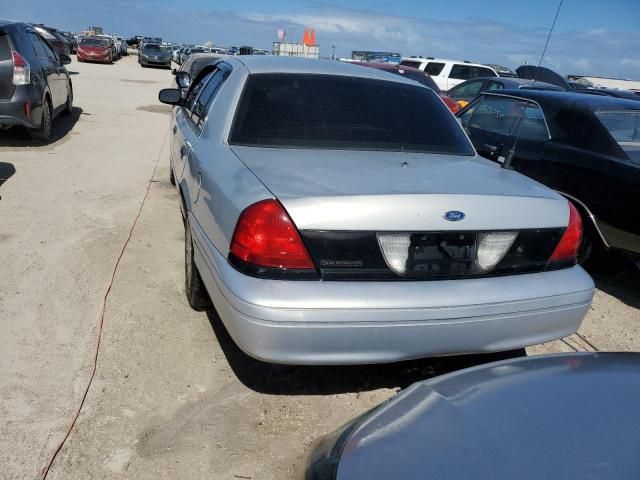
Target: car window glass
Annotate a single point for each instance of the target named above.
(460, 72)
(496, 114)
(334, 111)
(205, 99)
(194, 91)
(5, 49)
(532, 125)
(51, 55)
(493, 85)
(410, 63)
(466, 90)
(38, 46)
(434, 68)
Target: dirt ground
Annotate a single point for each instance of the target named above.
(173, 397)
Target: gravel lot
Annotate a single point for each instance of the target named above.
(172, 396)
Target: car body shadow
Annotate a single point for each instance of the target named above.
(7, 170)
(275, 379)
(61, 127)
(620, 278)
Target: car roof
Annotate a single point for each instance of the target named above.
(275, 64)
(552, 99)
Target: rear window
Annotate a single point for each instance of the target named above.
(411, 63)
(434, 68)
(94, 42)
(5, 49)
(350, 113)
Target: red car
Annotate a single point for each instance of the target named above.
(415, 75)
(95, 49)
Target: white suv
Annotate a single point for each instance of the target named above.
(448, 73)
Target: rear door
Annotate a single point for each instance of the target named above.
(7, 88)
(458, 74)
(46, 65)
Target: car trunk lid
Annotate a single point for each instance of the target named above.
(395, 191)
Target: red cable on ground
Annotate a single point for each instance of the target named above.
(94, 366)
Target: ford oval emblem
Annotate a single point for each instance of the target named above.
(454, 216)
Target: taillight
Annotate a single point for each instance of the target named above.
(267, 243)
(566, 252)
(453, 106)
(21, 70)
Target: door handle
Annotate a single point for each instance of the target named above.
(175, 129)
(491, 148)
(184, 150)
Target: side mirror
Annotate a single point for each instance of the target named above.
(183, 79)
(170, 96)
(65, 59)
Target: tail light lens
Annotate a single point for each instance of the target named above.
(566, 252)
(21, 70)
(266, 243)
(453, 106)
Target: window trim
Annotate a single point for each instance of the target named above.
(220, 65)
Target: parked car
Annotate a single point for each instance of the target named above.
(465, 92)
(191, 51)
(112, 45)
(72, 39)
(123, 46)
(59, 43)
(95, 49)
(328, 228)
(154, 55)
(570, 416)
(35, 86)
(609, 92)
(503, 71)
(191, 68)
(586, 147)
(415, 75)
(448, 73)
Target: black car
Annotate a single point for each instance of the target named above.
(587, 147)
(34, 84)
(470, 89)
(565, 416)
(55, 38)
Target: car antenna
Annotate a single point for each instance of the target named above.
(509, 157)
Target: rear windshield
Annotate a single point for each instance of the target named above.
(339, 112)
(5, 49)
(94, 42)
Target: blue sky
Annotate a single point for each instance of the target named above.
(591, 37)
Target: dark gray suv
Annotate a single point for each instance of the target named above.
(35, 86)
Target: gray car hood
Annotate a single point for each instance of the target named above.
(567, 417)
(292, 173)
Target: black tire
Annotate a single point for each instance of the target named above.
(44, 131)
(172, 177)
(68, 109)
(197, 295)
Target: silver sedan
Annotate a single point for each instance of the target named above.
(340, 215)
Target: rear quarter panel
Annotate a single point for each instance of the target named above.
(227, 185)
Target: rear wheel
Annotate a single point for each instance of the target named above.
(69, 105)
(44, 131)
(197, 295)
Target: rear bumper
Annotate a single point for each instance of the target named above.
(316, 322)
(13, 113)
